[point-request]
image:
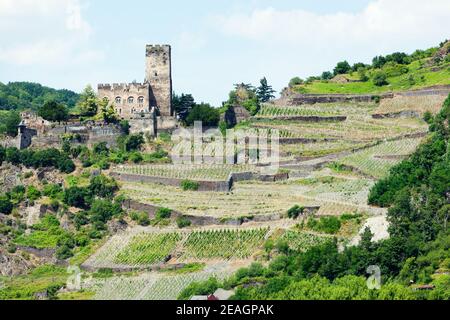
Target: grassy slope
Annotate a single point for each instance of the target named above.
(397, 83)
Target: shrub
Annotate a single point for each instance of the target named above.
(380, 79)
(64, 252)
(52, 190)
(183, 222)
(77, 197)
(53, 111)
(140, 217)
(134, 142)
(103, 210)
(295, 211)
(125, 127)
(163, 213)
(6, 205)
(136, 157)
(103, 186)
(329, 225)
(295, 82)
(33, 193)
(189, 185)
(208, 115)
(342, 68)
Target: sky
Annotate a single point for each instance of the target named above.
(215, 43)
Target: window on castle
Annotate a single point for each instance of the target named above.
(141, 100)
(130, 100)
(118, 100)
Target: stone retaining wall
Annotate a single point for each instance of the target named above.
(218, 186)
(308, 118)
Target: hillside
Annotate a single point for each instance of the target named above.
(395, 72)
(28, 95)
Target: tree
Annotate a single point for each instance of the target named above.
(134, 142)
(108, 112)
(53, 111)
(380, 79)
(183, 104)
(342, 68)
(295, 82)
(205, 113)
(88, 102)
(11, 122)
(326, 75)
(125, 127)
(362, 75)
(103, 186)
(378, 62)
(264, 91)
(6, 205)
(77, 197)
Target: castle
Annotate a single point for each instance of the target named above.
(147, 105)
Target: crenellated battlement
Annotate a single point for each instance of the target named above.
(133, 98)
(123, 86)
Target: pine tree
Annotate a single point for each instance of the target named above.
(264, 91)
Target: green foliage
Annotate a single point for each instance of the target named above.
(264, 91)
(140, 217)
(40, 159)
(183, 104)
(136, 157)
(103, 186)
(26, 95)
(9, 120)
(77, 197)
(208, 115)
(125, 127)
(330, 225)
(88, 102)
(46, 234)
(380, 79)
(53, 111)
(295, 211)
(204, 288)
(149, 248)
(189, 185)
(6, 205)
(183, 222)
(297, 81)
(134, 142)
(33, 193)
(342, 68)
(163, 213)
(326, 75)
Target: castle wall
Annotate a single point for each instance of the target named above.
(129, 99)
(158, 73)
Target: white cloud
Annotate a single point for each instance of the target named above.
(49, 33)
(382, 22)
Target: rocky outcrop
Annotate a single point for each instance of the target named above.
(12, 264)
(235, 115)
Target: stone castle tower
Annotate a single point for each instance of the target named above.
(158, 74)
(154, 95)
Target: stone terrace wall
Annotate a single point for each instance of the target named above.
(298, 99)
(430, 91)
(218, 186)
(333, 98)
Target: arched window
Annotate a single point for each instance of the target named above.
(119, 100)
(130, 100)
(141, 100)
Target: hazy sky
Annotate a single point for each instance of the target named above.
(215, 43)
